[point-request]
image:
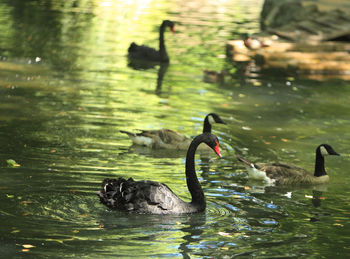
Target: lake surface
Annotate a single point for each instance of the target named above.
(66, 90)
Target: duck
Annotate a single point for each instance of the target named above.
(211, 76)
(150, 197)
(284, 174)
(145, 53)
(253, 43)
(169, 139)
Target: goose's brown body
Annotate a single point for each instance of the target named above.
(284, 174)
(169, 139)
(163, 138)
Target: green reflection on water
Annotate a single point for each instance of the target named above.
(66, 91)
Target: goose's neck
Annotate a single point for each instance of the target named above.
(207, 125)
(193, 184)
(319, 165)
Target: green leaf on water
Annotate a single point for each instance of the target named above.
(12, 163)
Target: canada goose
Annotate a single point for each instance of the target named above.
(157, 198)
(150, 54)
(169, 139)
(283, 174)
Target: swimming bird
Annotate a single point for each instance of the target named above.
(283, 174)
(142, 52)
(157, 198)
(169, 139)
(254, 43)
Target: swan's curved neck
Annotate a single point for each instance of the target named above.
(193, 184)
(162, 49)
(207, 125)
(319, 164)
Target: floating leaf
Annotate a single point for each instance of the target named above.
(246, 128)
(27, 202)
(12, 163)
(224, 234)
(28, 246)
(338, 224)
(75, 231)
(15, 231)
(284, 139)
(25, 250)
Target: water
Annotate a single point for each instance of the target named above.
(66, 90)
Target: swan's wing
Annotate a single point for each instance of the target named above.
(140, 196)
(142, 52)
(156, 196)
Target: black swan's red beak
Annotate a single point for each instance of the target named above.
(172, 29)
(216, 149)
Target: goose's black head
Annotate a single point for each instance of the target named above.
(214, 118)
(168, 23)
(212, 141)
(325, 149)
(209, 120)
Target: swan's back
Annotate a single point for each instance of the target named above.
(140, 197)
(145, 53)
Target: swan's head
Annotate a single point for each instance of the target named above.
(325, 150)
(214, 118)
(170, 24)
(212, 141)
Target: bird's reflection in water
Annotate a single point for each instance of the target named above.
(192, 230)
(144, 65)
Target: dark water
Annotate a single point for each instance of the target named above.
(66, 90)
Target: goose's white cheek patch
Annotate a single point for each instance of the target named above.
(211, 119)
(324, 151)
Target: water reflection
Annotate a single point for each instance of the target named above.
(66, 90)
(143, 65)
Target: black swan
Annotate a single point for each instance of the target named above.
(169, 139)
(283, 174)
(156, 198)
(146, 53)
